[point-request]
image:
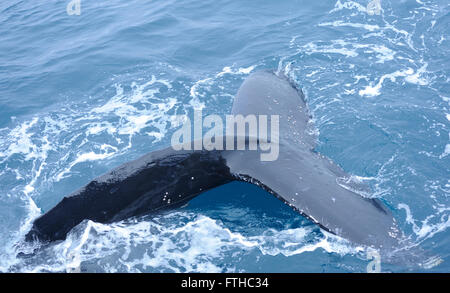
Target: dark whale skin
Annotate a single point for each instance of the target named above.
(160, 180)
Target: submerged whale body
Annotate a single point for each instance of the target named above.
(166, 179)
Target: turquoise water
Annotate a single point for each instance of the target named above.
(80, 95)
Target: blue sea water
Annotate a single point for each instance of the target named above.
(81, 94)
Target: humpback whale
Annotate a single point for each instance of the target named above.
(300, 177)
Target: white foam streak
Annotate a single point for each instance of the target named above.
(427, 230)
(348, 5)
(86, 157)
(201, 88)
(239, 71)
(340, 23)
(374, 90)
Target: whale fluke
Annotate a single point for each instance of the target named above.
(300, 177)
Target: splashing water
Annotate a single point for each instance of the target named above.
(82, 94)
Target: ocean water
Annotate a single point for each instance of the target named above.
(81, 94)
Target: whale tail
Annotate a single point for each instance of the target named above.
(299, 176)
